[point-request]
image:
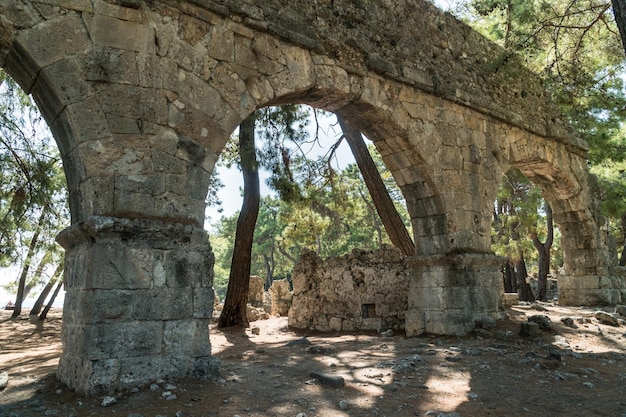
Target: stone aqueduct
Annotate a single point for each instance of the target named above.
(142, 95)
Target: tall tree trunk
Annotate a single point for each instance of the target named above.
(523, 288)
(234, 312)
(21, 286)
(45, 311)
(619, 11)
(268, 260)
(375, 222)
(509, 278)
(382, 200)
(46, 290)
(36, 279)
(544, 255)
(622, 258)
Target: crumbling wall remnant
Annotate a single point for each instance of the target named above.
(281, 298)
(255, 292)
(359, 291)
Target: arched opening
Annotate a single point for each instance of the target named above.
(523, 232)
(319, 203)
(33, 206)
(586, 276)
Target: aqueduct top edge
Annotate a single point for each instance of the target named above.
(413, 42)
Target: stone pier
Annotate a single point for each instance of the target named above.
(448, 293)
(137, 305)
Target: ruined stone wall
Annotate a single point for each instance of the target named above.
(280, 298)
(359, 291)
(255, 291)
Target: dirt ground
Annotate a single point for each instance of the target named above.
(562, 372)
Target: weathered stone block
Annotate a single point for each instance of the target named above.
(163, 303)
(87, 122)
(607, 318)
(529, 329)
(589, 297)
(222, 44)
(187, 338)
(48, 42)
(143, 105)
(96, 306)
(203, 302)
(281, 297)
(121, 34)
(298, 74)
(149, 368)
(256, 290)
(119, 266)
(123, 339)
(511, 298)
(335, 323)
(455, 322)
(58, 85)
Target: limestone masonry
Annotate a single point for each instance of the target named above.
(142, 95)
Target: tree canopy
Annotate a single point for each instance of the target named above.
(33, 196)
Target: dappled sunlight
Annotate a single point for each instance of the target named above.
(268, 372)
(448, 389)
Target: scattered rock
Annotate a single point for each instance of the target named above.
(343, 405)
(538, 307)
(407, 365)
(544, 322)
(621, 310)
(107, 401)
(554, 354)
(303, 341)
(256, 331)
(320, 350)
(485, 334)
(256, 313)
(561, 342)
(387, 333)
(606, 318)
(530, 329)
(569, 322)
(486, 323)
(588, 384)
(334, 381)
(4, 380)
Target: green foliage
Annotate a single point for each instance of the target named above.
(576, 48)
(316, 206)
(518, 213)
(32, 182)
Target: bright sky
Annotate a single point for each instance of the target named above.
(230, 194)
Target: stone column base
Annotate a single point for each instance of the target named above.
(593, 290)
(448, 293)
(138, 302)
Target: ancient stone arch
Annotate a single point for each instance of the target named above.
(142, 95)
